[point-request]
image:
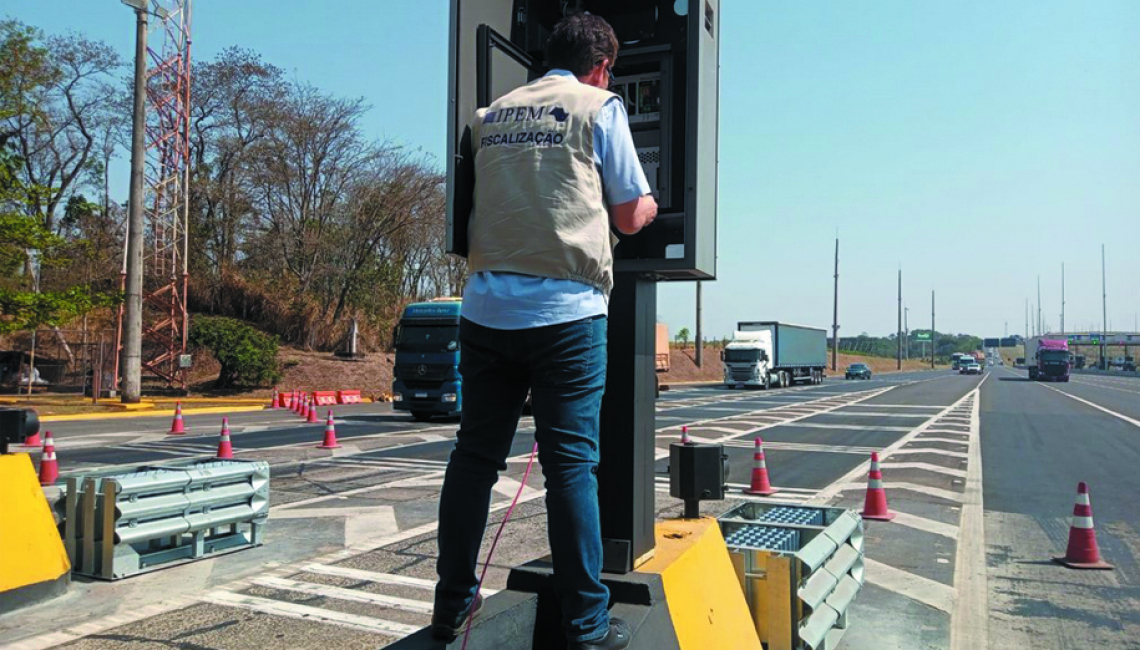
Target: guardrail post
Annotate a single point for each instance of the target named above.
(87, 520)
(70, 532)
(107, 555)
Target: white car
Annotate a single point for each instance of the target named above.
(970, 367)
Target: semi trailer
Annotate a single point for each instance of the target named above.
(771, 354)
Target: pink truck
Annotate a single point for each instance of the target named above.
(1049, 360)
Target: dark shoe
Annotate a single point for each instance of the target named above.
(617, 638)
(448, 630)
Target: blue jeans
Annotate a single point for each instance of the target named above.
(564, 366)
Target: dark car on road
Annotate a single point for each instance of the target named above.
(858, 371)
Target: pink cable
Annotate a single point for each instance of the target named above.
(490, 553)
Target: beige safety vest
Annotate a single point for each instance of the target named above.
(539, 208)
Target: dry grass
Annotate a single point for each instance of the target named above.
(683, 366)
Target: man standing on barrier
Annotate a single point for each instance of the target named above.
(552, 166)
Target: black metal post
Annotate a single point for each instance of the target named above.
(626, 473)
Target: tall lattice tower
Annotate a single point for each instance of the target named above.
(165, 270)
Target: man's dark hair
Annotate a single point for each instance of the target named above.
(579, 43)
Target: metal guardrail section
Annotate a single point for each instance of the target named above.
(800, 567)
(117, 525)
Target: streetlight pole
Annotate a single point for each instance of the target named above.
(906, 331)
(898, 332)
(835, 313)
(1104, 312)
(933, 336)
(132, 315)
(1062, 297)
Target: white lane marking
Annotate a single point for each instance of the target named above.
(926, 525)
(970, 616)
(802, 446)
(379, 578)
(948, 495)
(947, 440)
(1134, 422)
(924, 590)
(845, 427)
(360, 523)
(926, 467)
(873, 414)
(899, 406)
(509, 487)
(929, 450)
(307, 613)
(341, 593)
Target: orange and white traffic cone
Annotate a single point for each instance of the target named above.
(685, 436)
(295, 403)
(875, 506)
(178, 426)
(275, 403)
(49, 466)
(1082, 552)
(311, 415)
(225, 447)
(760, 483)
(330, 435)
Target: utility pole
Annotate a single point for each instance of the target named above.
(700, 344)
(1062, 297)
(906, 331)
(1104, 312)
(132, 330)
(1027, 320)
(835, 313)
(898, 332)
(1040, 329)
(933, 336)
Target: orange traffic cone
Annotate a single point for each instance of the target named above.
(760, 483)
(311, 414)
(49, 466)
(177, 426)
(330, 435)
(225, 448)
(294, 403)
(33, 440)
(685, 436)
(1082, 552)
(875, 506)
(275, 403)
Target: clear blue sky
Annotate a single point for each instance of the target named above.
(977, 144)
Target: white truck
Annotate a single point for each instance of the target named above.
(770, 354)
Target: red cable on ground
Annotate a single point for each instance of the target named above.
(491, 552)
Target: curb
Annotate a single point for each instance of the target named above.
(142, 414)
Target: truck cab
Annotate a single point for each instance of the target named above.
(426, 378)
(747, 360)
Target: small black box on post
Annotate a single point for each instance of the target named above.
(697, 472)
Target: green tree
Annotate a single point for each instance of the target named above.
(27, 242)
(683, 337)
(247, 356)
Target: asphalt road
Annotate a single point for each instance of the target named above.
(982, 471)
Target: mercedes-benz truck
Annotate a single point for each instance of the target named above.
(426, 373)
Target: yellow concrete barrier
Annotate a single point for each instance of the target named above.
(33, 563)
(705, 600)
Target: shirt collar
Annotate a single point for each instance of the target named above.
(561, 73)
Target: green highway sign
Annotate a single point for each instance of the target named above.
(922, 336)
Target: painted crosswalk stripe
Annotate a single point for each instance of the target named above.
(377, 577)
(305, 612)
(341, 593)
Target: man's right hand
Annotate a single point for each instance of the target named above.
(631, 216)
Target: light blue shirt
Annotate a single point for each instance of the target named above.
(510, 301)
